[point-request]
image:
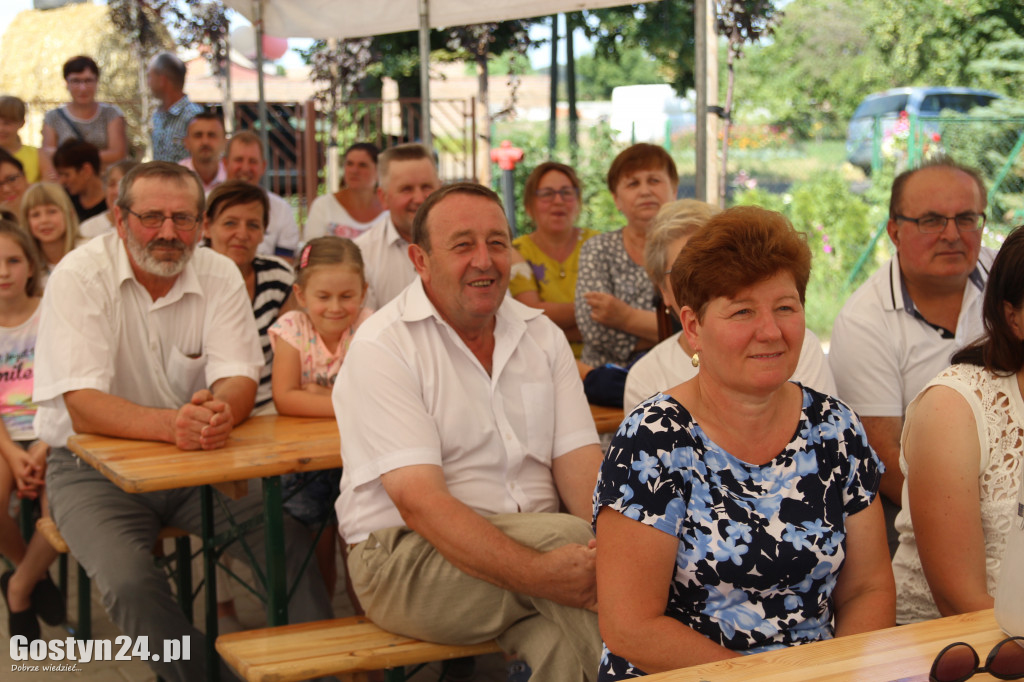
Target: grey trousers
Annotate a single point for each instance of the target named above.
(407, 587)
(111, 533)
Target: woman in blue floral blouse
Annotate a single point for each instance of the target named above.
(736, 512)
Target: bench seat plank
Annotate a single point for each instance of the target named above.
(330, 647)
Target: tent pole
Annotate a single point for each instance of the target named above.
(262, 105)
(425, 137)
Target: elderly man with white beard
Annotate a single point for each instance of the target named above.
(143, 336)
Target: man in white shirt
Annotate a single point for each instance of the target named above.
(465, 429)
(244, 161)
(205, 140)
(407, 177)
(143, 336)
(902, 326)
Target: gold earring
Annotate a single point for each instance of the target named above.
(695, 360)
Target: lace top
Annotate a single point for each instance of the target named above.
(999, 414)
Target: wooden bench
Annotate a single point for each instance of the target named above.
(182, 573)
(346, 647)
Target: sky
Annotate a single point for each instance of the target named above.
(539, 57)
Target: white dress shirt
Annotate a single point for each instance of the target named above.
(282, 236)
(386, 262)
(101, 330)
(411, 392)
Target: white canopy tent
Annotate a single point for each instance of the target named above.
(357, 19)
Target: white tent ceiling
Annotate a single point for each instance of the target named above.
(359, 18)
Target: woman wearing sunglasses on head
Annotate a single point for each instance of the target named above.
(961, 453)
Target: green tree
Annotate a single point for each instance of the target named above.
(935, 42)
(814, 73)
(597, 77)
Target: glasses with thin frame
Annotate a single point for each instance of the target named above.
(934, 222)
(959, 661)
(151, 220)
(548, 194)
(78, 82)
(10, 180)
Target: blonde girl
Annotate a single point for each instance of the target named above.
(47, 215)
(27, 590)
(309, 347)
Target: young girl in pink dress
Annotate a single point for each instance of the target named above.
(27, 590)
(309, 347)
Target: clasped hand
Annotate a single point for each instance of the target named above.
(204, 423)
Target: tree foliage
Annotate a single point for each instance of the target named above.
(663, 30)
(597, 77)
(828, 54)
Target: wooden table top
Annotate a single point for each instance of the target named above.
(270, 445)
(606, 419)
(900, 654)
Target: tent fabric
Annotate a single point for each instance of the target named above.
(341, 19)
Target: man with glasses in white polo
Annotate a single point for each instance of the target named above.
(900, 328)
(143, 336)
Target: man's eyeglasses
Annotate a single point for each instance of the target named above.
(78, 82)
(183, 222)
(567, 194)
(933, 222)
(10, 180)
(959, 662)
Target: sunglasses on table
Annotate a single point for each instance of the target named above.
(959, 661)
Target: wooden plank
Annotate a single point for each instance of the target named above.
(333, 647)
(262, 446)
(902, 654)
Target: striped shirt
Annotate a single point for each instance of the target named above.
(274, 279)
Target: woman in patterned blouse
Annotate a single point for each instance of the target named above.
(736, 512)
(614, 297)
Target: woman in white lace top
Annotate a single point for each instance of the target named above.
(962, 456)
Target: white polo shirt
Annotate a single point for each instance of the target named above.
(666, 365)
(411, 392)
(386, 261)
(100, 329)
(282, 236)
(883, 352)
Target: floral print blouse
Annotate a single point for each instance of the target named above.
(760, 546)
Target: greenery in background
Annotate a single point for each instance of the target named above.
(596, 77)
(596, 150)
(828, 54)
(838, 225)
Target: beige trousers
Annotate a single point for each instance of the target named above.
(407, 587)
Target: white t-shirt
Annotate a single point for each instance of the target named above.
(17, 365)
(411, 392)
(666, 365)
(882, 353)
(328, 217)
(386, 262)
(100, 329)
(95, 226)
(282, 236)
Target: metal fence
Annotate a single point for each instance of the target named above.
(387, 123)
(994, 146)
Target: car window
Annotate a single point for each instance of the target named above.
(892, 104)
(961, 102)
